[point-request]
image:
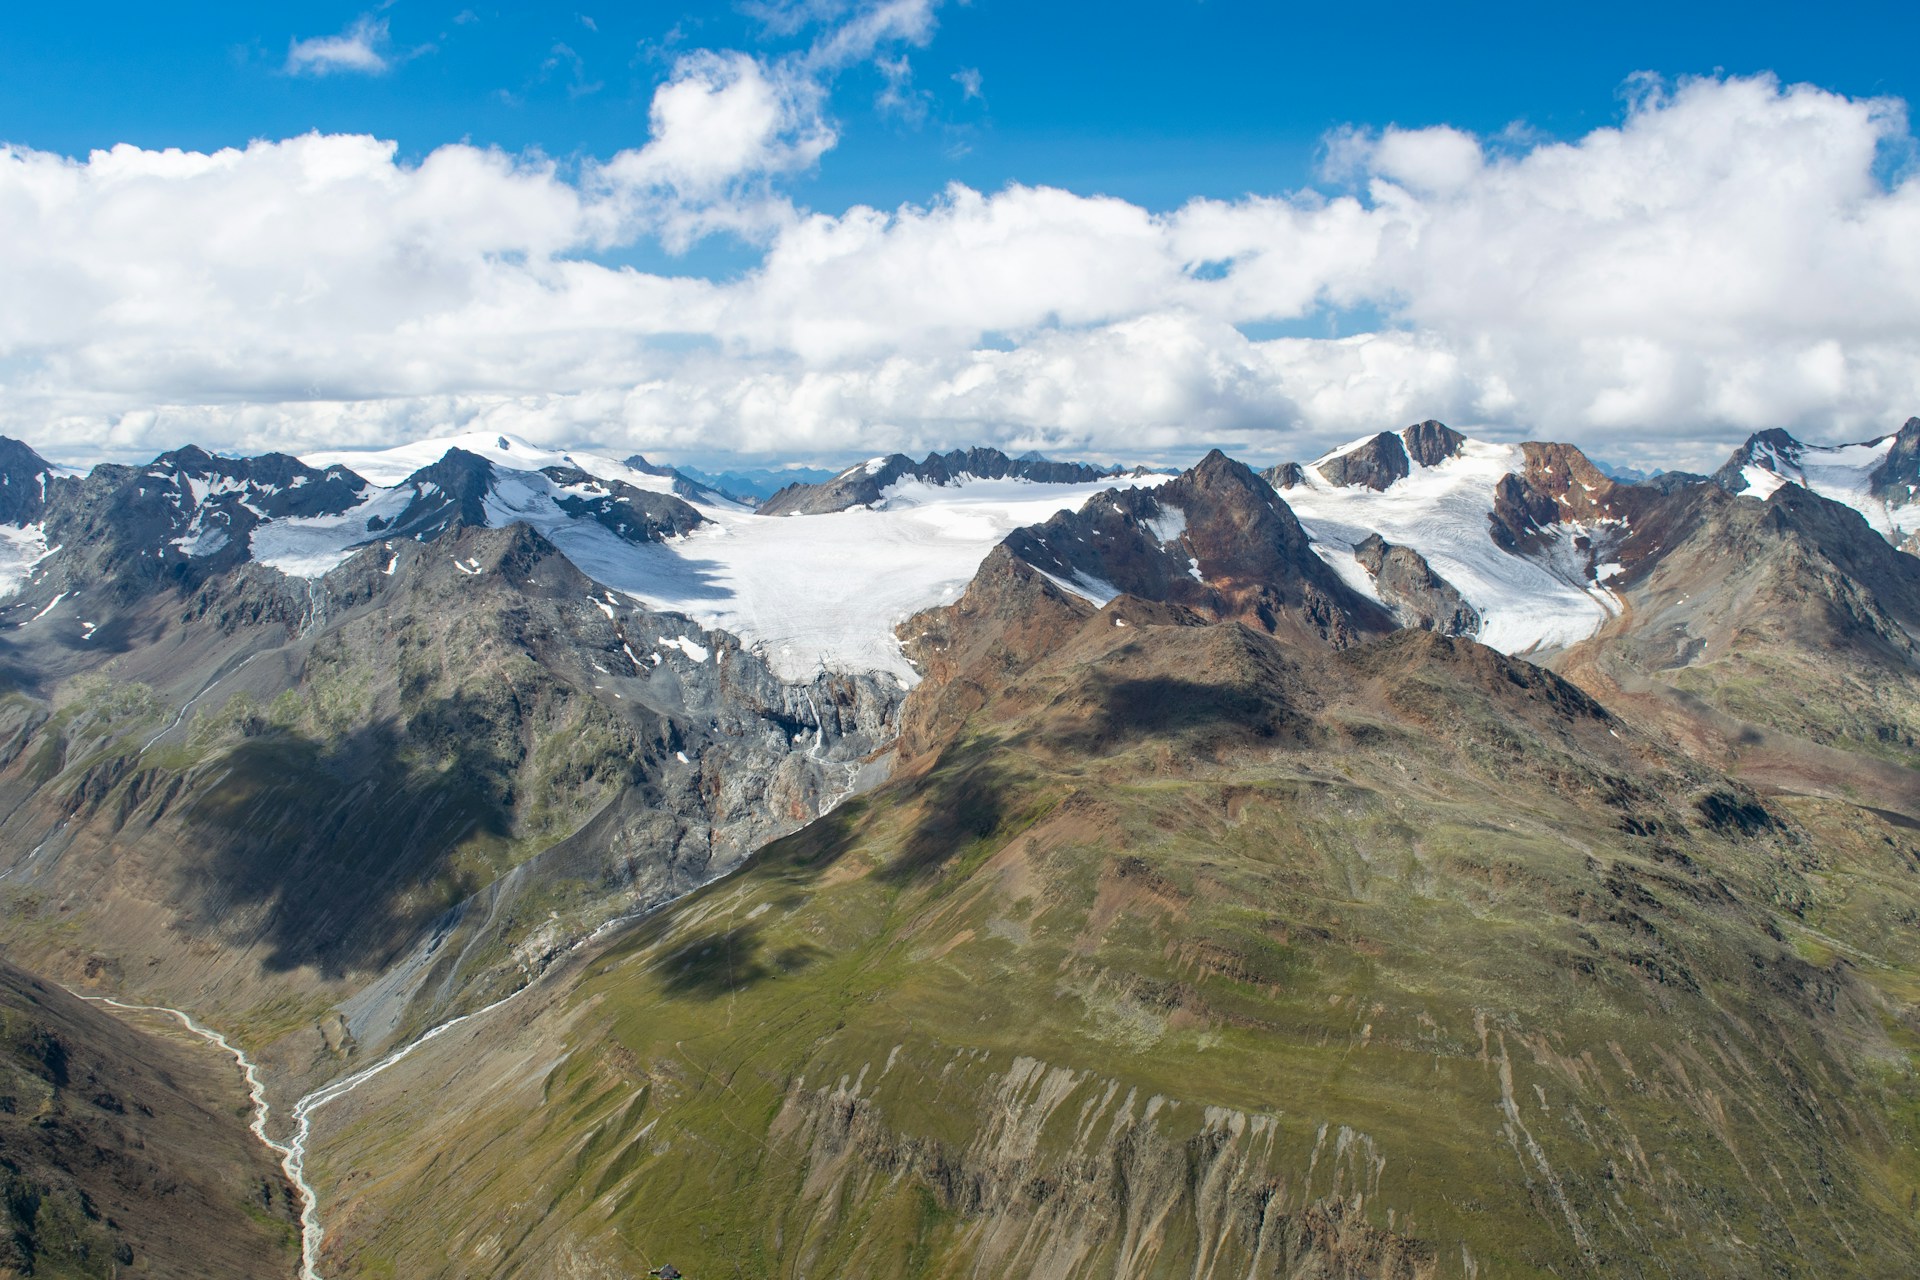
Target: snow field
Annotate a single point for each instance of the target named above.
(1443, 513)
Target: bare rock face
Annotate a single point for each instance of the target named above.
(1557, 486)
(1418, 596)
(1431, 443)
(1897, 479)
(23, 483)
(1284, 476)
(1376, 464)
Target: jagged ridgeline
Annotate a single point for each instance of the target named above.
(330, 759)
(1436, 859)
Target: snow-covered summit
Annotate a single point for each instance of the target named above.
(389, 467)
(1878, 478)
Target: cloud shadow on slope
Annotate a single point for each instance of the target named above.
(1117, 714)
(348, 845)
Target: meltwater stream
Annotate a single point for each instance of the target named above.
(293, 1152)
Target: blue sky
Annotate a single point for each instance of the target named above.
(1155, 104)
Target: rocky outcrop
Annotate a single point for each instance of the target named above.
(1374, 464)
(1431, 443)
(1145, 1185)
(1384, 459)
(1418, 596)
(1284, 476)
(1557, 486)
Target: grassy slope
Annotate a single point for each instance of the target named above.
(1184, 959)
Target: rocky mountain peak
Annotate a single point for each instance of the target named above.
(1374, 464)
(1772, 450)
(449, 492)
(1898, 474)
(1216, 539)
(1431, 443)
(1378, 462)
(23, 483)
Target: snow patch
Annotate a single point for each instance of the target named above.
(1761, 483)
(202, 540)
(1170, 525)
(313, 546)
(692, 648)
(49, 609)
(1096, 591)
(21, 548)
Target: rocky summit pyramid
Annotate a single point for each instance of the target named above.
(1433, 859)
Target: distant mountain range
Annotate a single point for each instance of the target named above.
(1437, 858)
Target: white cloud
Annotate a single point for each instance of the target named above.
(1724, 259)
(360, 48)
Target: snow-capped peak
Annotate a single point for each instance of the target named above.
(1878, 478)
(388, 467)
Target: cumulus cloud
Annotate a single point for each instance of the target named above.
(1731, 255)
(360, 48)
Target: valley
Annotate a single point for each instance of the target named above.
(1434, 859)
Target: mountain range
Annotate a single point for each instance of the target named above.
(1437, 858)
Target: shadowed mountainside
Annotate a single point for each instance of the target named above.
(404, 787)
(126, 1152)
